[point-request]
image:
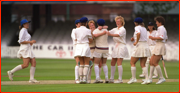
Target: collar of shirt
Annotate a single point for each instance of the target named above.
(24, 28)
(82, 27)
(120, 27)
(151, 32)
(160, 26)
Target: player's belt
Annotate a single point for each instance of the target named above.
(102, 48)
(92, 47)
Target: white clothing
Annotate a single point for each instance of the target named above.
(150, 41)
(161, 32)
(25, 50)
(82, 34)
(142, 31)
(122, 34)
(73, 36)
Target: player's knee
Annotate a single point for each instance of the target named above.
(143, 65)
(104, 64)
(25, 65)
(113, 63)
(96, 64)
(132, 63)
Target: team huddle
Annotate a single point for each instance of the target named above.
(91, 46)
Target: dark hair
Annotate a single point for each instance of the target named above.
(77, 23)
(153, 28)
(160, 19)
(20, 27)
(83, 24)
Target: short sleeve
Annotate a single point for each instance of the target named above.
(112, 31)
(22, 35)
(122, 32)
(161, 33)
(137, 30)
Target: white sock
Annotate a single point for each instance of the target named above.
(155, 72)
(76, 72)
(133, 72)
(89, 76)
(32, 72)
(19, 67)
(81, 72)
(96, 69)
(142, 72)
(85, 71)
(151, 72)
(147, 66)
(145, 72)
(120, 70)
(113, 69)
(158, 68)
(100, 72)
(105, 68)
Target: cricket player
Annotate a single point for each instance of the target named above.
(120, 50)
(151, 32)
(101, 50)
(141, 50)
(83, 35)
(92, 46)
(159, 49)
(78, 24)
(25, 52)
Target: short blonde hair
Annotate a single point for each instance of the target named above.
(91, 21)
(121, 18)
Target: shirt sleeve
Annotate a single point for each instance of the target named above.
(89, 34)
(22, 36)
(137, 30)
(112, 31)
(161, 33)
(122, 32)
(73, 34)
(95, 31)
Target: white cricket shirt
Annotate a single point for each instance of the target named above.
(122, 34)
(24, 35)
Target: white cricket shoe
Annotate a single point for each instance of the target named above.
(33, 81)
(77, 81)
(106, 80)
(118, 81)
(142, 76)
(96, 81)
(84, 81)
(132, 81)
(149, 81)
(10, 75)
(100, 81)
(111, 80)
(144, 82)
(154, 76)
(161, 81)
(89, 81)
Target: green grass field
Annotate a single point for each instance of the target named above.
(63, 69)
